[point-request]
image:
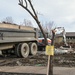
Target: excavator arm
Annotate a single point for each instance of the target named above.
(59, 30)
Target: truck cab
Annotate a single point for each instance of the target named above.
(41, 41)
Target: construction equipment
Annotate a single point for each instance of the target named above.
(66, 48)
(41, 41)
(59, 30)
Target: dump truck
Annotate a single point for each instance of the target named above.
(19, 40)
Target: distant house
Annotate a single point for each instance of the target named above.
(70, 37)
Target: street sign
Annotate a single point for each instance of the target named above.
(49, 50)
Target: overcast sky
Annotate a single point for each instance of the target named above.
(62, 12)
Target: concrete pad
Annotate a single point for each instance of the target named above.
(38, 70)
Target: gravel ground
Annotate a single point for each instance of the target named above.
(39, 60)
(65, 60)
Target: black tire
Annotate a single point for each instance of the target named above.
(24, 50)
(33, 48)
(17, 49)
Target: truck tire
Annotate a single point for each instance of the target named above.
(17, 49)
(33, 48)
(24, 50)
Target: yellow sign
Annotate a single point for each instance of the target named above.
(49, 50)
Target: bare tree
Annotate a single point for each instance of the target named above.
(24, 4)
(49, 26)
(8, 20)
(27, 23)
(34, 15)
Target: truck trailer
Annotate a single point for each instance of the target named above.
(20, 40)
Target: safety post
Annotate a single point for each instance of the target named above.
(50, 53)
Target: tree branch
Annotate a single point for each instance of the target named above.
(34, 16)
(27, 10)
(26, 3)
(33, 8)
(21, 2)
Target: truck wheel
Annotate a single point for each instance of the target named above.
(24, 50)
(17, 49)
(33, 48)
